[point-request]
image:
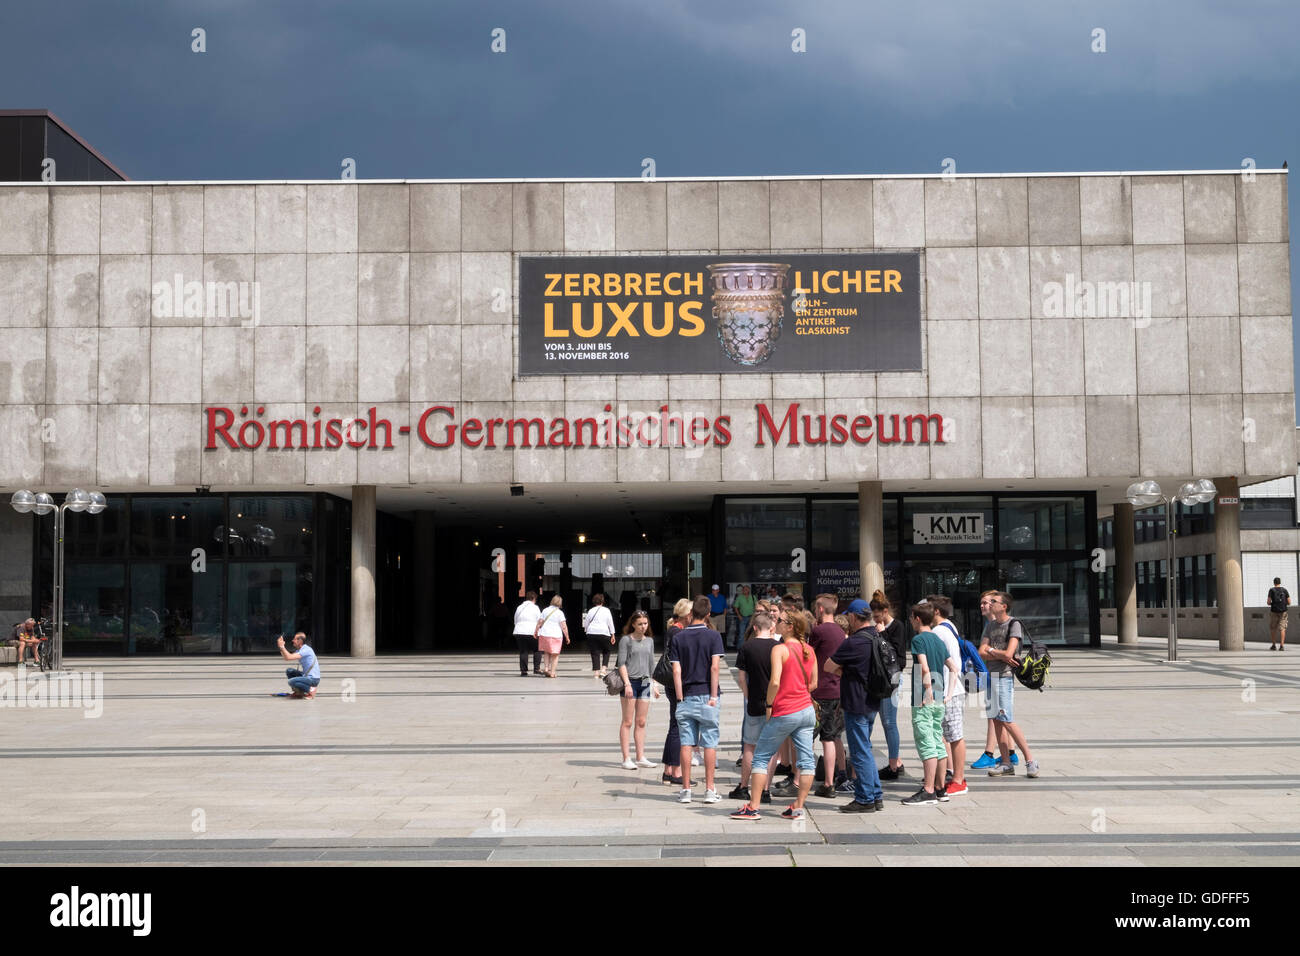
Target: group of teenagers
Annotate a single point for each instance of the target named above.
(806, 673)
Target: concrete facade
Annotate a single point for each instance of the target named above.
(392, 295)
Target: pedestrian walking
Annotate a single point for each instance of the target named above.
(525, 633)
(550, 628)
(598, 625)
(635, 663)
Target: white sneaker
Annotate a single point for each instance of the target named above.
(646, 763)
(711, 796)
(628, 764)
(696, 761)
(683, 796)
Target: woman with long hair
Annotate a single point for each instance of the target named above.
(551, 626)
(672, 757)
(635, 663)
(790, 710)
(890, 629)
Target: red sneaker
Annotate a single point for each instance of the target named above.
(955, 789)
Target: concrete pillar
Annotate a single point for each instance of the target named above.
(363, 570)
(1126, 604)
(1227, 548)
(871, 537)
(422, 571)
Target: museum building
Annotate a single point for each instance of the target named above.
(378, 411)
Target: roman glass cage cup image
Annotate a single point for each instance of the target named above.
(748, 305)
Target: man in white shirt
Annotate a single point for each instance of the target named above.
(598, 625)
(954, 733)
(526, 617)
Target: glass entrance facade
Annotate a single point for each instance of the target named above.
(1036, 547)
(201, 574)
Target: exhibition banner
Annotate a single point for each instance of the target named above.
(659, 315)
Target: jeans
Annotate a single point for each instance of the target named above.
(698, 723)
(673, 742)
(526, 643)
(866, 786)
(889, 720)
(598, 645)
(299, 683)
(799, 728)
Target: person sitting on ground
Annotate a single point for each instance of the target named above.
(305, 679)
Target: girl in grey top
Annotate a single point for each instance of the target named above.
(636, 651)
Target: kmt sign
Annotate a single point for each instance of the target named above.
(948, 529)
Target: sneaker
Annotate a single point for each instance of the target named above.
(1031, 769)
(683, 796)
(646, 763)
(920, 799)
(740, 793)
(855, 807)
(785, 789)
(947, 778)
(669, 780)
(628, 764)
(766, 797)
(880, 806)
(1015, 759)
(746, 813)
(956, 789)
(1001, 771)
(696, 761)
(825, 790)
(887, 774)
(783, 770)
(712, 796)
(986, 761)
(792, 813)
(844, 786)
(941, 794)
(1272, 647)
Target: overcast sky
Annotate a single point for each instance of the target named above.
(414, 90)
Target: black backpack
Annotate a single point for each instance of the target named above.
(1034, 663)
(1277, 600)
(886, 671)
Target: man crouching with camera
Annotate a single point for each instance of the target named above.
(303, 679)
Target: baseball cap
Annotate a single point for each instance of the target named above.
(859, 608)
(715, 588)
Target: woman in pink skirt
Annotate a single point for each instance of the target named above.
(551, 627)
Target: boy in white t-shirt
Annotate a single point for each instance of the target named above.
(953, 730)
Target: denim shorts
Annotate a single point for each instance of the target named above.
(1002, 691)
(799, 728)
(641, 688)
(697, 722)
(751, 728)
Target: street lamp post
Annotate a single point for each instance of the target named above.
(24, 502)
(1144, 494)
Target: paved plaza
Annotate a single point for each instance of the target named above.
(456, 759)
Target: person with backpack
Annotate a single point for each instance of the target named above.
(1002, 639)
(891, 629)
(954, 733)
(986, 759)
(853, 661)
(1278, 601)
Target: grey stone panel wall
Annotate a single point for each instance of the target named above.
(403, 295)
